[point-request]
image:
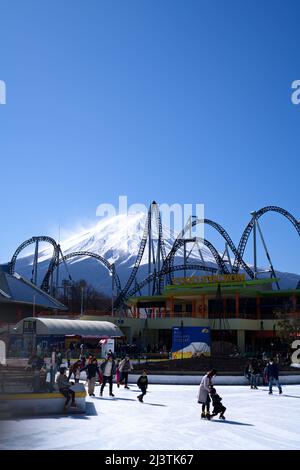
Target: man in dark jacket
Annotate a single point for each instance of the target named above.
(273, 376)
(91, 370)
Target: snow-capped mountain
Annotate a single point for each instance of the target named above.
(117, 240)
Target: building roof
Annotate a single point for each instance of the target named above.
(16, 289)
(251, 288)
(62, 327)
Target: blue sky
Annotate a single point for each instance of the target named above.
(177, 101)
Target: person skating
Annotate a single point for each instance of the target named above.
(75, 370)
(108, 369)
(203, 394)
(273, 376)
(125, 367)
(142, 383)
(255, 372)
(64, 388)
(218, 406)
(91, 370)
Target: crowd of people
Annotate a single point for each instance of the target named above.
(266, 371)
(207, 392)
(104, 373)
(259, 371)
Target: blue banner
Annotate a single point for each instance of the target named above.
(190, 341)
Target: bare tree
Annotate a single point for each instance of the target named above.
(80, 291)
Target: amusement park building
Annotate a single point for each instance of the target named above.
(19, 298)
(243, 312)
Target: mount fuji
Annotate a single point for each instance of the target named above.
(117, 240)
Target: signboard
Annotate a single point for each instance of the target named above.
(214, 279)
(108, 345)
(190, 341)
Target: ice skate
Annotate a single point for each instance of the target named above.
(208, 416)
(203, 415)
(222, 417)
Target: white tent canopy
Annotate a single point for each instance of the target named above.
(60, 327)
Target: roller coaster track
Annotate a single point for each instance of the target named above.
(109, 266)
(179, 242)
(147, 229)
(167, 268)
(226, 237)
(249, 228)
(163, 272)
(53, 261)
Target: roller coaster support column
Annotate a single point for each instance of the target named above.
(267, 254)
(254, 244)
(35, 263)
(57, 272)
(149, 247)
(189, 227)
(112, 274)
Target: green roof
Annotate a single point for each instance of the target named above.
(250, 288)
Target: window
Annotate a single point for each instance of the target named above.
(29, 326)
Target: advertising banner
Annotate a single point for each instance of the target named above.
(190, 341)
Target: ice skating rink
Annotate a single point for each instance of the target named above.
(169, 418)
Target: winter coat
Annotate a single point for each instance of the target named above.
(216, 401)
(125, 366)
(113, 368)
(142, 381)
(91, 370)
(255, 367)
(62, 382)
(272, 371)
(204, 389)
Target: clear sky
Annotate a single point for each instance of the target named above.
(185, 101)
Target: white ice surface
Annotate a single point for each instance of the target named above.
(169, 418)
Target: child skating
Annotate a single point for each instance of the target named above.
(142, 383)
(218, 406)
